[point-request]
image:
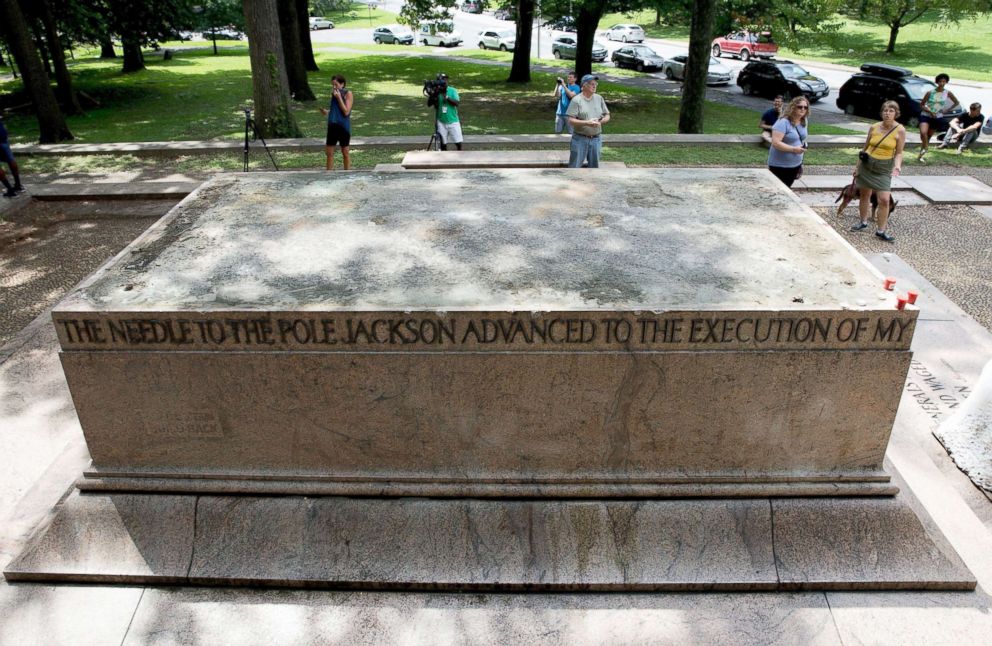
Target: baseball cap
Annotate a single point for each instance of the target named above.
(589, 77)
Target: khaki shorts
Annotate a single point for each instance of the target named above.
(451, 133)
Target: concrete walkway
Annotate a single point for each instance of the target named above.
(409, 142)
(942, 189)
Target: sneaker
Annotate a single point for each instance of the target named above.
(943, 144)
(860, 226)
(19, 189)
(961, 150)
(884, 236)
(922, 154)
(10, 193)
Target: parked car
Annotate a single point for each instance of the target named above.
(223, 33)
(472, 7)
(503, 40)
(562, 23)
(717, 74)
(864, 93)
(564, 47)
(770, 78)
(626, 33)
(640, 57)
(745, 45)
(317, 22)
(439, 34)
(397, 34)
(505, 13)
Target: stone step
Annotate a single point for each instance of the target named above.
(113, 191)
(431, 160)
(477, 545)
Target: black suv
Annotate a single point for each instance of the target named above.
(771, 78)
(864, 93)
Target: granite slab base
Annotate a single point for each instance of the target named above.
(491, 545)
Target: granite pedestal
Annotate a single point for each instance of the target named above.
(290, 351)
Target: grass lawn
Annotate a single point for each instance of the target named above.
(963, 51)
(198, 95)
(359, 16)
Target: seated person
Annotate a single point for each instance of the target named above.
(768, 119)
(964, 129)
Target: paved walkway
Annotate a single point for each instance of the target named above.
(415, 141)
(942, 189)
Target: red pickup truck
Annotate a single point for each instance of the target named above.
(744, 45)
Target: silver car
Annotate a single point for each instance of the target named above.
(626, 33)
(503, 40)
(717, 74)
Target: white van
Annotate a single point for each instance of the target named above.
(441, 34)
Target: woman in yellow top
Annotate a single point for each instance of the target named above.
(879, 162)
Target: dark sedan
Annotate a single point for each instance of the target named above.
(639, 57)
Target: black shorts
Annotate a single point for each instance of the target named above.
(787, 175)
(337, 135)
(937, 124)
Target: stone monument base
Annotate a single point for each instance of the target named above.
(492, 545)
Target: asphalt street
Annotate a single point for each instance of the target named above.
(469, 25)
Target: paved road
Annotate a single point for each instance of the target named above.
(470, 24)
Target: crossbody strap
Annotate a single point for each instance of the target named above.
(893, 129)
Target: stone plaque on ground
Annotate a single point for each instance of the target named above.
(504, 333)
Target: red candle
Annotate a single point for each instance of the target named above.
(913, 295)
(901, 302)
(890, 283)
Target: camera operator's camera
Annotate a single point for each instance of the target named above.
(561, 81)
(433, 90)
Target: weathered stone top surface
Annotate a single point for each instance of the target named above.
(488, 240)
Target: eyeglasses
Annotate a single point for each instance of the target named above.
(802, 107)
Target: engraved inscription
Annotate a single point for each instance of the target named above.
(934, 397)
(470, 331)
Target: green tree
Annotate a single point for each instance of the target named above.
(141, 23)
(17, 33)
(209, 16)
(270, 87)
(416, 11)
(520, 68)
(694, 88)
(896, 14)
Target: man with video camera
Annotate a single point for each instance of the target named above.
(564, 93)
(445, 99)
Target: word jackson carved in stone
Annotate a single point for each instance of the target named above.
(740, 331)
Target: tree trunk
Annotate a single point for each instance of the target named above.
(657, 16)
(51, 122)
(42, 50)
(107, 48)
(694, 88)
(586, 23)
(2, 61)
(296, 73)
(306, 47)
(893, 34)
(520, 68)
(70, 102)
(270, 87)
(134, 60)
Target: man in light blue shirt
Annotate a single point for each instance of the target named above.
(564, 91)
